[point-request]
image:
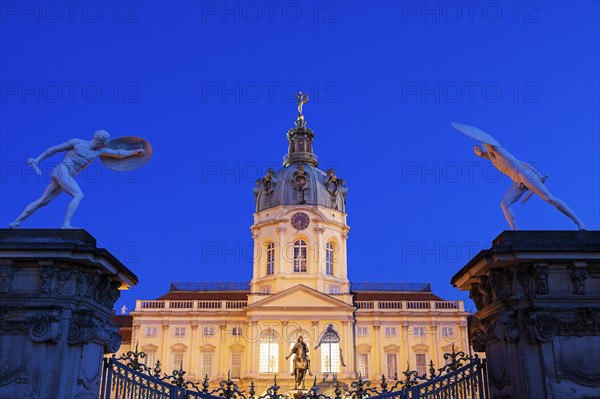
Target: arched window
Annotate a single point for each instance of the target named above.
(270, 258)
(269, 352)
(330, 351)
(329, 259)
(300, 256)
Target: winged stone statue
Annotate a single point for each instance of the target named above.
(524, 175)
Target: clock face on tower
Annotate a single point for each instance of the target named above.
(300, 220)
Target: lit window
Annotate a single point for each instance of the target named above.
(363, 364)
(151, 331)
(390, 331)
(208, 330)
(421, 364)
(177, 360)
(362, 331)
(329, 259)
(447, 331)
(330, 352)
(334, 289)
(269, 353)
(180, 331)
(419, 330)
(392, 366)
(206, 367)
(448, 360)
(150, 359)
(236, 366)
(300, 256)
(270, 258)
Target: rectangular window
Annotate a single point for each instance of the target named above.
(447, 331)
(334, 289)
(362, 331)
(208, 331)
(392, 366)
(206, 367)
(150, 359)
(421, 364)
(180, 331)
(271, 258)
(363, 365)
(265, 289)
(236, 366)
(419, 330)
(151, 331)
(329, 259)
(330, 357)
(177, 360)
(269, 357)
(236, 331)
(390, 331)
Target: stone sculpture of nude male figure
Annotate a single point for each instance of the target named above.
(524, 176)
(80, 153)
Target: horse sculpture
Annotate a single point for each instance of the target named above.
(301, 362)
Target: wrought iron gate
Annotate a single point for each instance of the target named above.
(463, 377)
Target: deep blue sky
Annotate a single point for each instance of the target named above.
(209, 84)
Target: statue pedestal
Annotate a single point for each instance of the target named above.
(537, 295)
(57, 290)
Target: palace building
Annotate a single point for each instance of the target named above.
(299, 287)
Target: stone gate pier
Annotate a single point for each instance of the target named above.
(537, 295)
(57, 290)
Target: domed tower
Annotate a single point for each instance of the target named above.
(300, 225)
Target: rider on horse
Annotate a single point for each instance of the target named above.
(301, 361)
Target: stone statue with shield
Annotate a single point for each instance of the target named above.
(122, 154)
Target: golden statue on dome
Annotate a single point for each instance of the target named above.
(301, 99)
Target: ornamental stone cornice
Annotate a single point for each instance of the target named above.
(537, 295)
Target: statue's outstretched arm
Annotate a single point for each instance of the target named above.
(122, 153)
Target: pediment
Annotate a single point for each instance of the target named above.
(149, 348)
(237, 347)
(178, 347)
(301, 297)
(207, 348)
(391, 348)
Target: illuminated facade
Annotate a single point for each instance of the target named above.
(299, 286)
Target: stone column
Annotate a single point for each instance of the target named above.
(165, 354)
(57, 291)
(194, 366)
(376, 349)
(537, 295)
(222, 362)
